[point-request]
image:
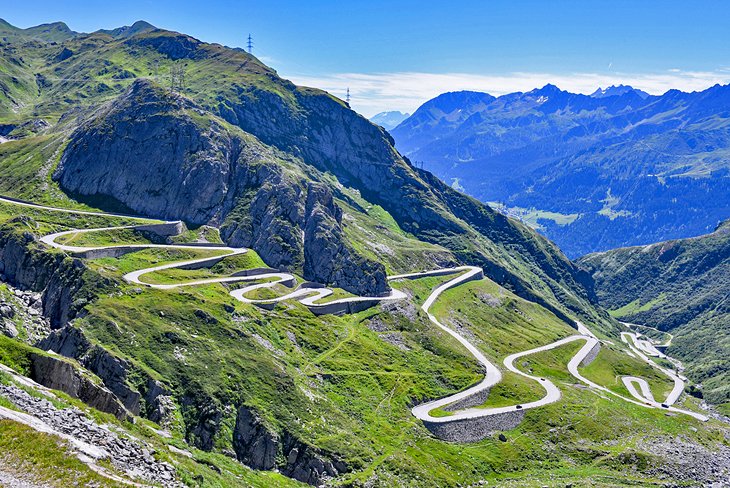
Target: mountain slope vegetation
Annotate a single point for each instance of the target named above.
(616, 168)
(139, 120)
(679, 286)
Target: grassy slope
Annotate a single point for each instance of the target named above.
(43, 458)
(47, 459)
(681, 286)
(342, 371)
(340, 386)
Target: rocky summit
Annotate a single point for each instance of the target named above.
(160, 154)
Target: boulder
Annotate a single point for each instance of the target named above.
(8, 328)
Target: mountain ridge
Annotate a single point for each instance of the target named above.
(578, 167)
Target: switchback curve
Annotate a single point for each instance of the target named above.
(309, 295)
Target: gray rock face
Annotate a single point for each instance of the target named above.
(260, 448)
(58, 279)
(255, 446)
(326, 257)
(113, 371)
(60, 375)
(135, 150)
(8, 329)
(162, 156)
(306, 464)
(267, 216)
(160, 406)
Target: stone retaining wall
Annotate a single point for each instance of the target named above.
(342, 308)
(474, 400)
(168, 229)
(110, 252)
(475, 429)
(591, 355)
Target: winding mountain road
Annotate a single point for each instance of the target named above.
(307, 295)
(310, 294)
(492, 374)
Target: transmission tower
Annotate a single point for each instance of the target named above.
(347, 97)
(249, 44)
(181, 74)
(177, 78)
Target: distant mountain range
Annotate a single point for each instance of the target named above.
(59, 31)
(389, 120)
(593, 172)
(617, 90)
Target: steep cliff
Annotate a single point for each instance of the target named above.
(161, 155)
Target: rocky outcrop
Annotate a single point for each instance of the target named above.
(175, 47)
(254, 444)
(144, 151)
(161, 155)
(128, 455)
(22, 309)
(61, 375)
(267, 214)
(205, 421)
(307, 464)
(113, 371)
(159, 404)
(327, 258)
(260, 448)
(56, 276)
(64, 288)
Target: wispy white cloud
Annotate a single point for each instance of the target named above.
(376, 92)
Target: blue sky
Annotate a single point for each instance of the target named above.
(397, 54)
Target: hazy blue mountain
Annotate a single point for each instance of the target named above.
(389, 120)
(617, 90)
(612, 169)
